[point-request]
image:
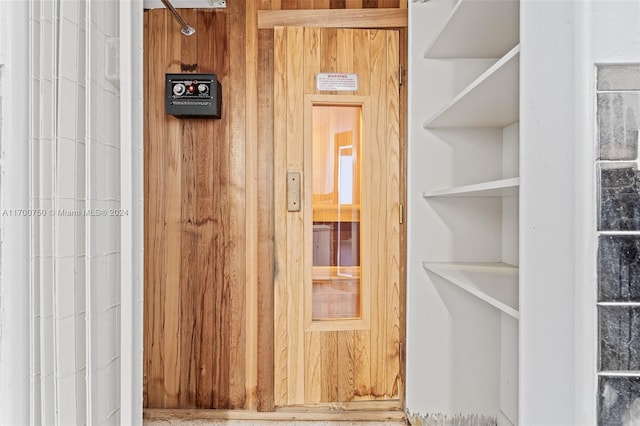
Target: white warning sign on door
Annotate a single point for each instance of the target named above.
(336, 82)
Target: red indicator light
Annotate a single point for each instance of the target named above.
(191, 88)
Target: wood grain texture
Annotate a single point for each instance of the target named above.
(212, 266)
(353, 4)
(392, 256)
(266, 224)
(195, 351)
(146, 310)
(154, 216)
(243, 205)
(359, 413)
(404, 61)
(332, 4)
(336, 18)
(252, 210)
(150, 232)
(281, 348)
(340, 363)
(296, 243)
(189, 294)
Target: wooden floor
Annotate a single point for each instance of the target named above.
(289, 417)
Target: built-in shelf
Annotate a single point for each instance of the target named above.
(492, 100)
(478, 29)
(494, 283)
(497, 188)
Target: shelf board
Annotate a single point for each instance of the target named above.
(494, 283)
(478, 29)
(497, 188)
(492, 100)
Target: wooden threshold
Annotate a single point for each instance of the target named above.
(334, 18)
(374, 411)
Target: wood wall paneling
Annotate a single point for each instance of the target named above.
(333, 4)
(195, 267)
(280, 246)
(338, 365)
(266, 222)
(209, 222)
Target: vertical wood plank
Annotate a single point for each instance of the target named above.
(154, 153)
(403, 199)
(280, 244)
(322, 4)
(149, 224)
(252, 262)
(361, 61)
(392, 297)
(362, 365)
(305, 4)
(367, 4)
(329, 49)
(328, 52)
(344, 50)
(389, 3)
(337, 4)
(313, 367)
(377, 210)
(266, 225)
(345, 339)
(242, 206)
(346, 366)
(172, 228)
(189, 48)
(189, 298)
(206, 278)
(188, 293)
(295, 234)
(288, 4)
(311, 58)
(329, 360)
(353, 4)
(219, 45)
(362, 339)
(276, 4)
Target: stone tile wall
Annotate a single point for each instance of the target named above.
(618, 121)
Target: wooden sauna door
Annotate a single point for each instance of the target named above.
(337, 284)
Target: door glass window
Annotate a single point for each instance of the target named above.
(336, 145)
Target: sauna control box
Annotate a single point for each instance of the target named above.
(193, 95)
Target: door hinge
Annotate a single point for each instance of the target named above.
(401, 75)
(401, 213)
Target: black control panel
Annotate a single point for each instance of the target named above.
(193, 95)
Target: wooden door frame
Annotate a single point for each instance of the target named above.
(388, 19)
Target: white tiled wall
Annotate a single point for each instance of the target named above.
(75, 160)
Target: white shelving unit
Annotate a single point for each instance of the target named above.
(469, 182)
(494, 283)
(477, 29)
(496, 188)
(490, 101)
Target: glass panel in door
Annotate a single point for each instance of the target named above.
(336, 146)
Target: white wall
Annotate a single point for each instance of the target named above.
(547, 242)
(606, 32)
(75, 175)
(14, 228)
(561, 42)
(132, 193)
(453, 339)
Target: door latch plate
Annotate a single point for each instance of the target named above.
(293, 191)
